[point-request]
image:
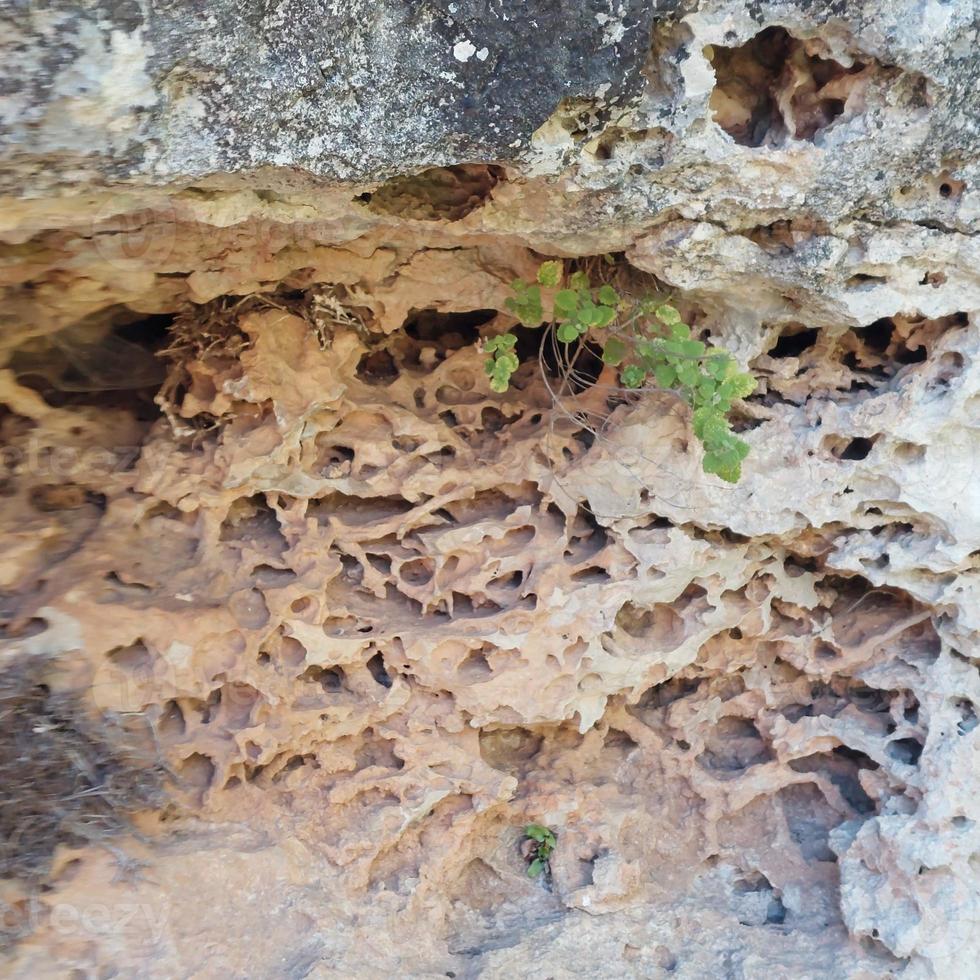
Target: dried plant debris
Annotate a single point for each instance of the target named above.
(66, 778)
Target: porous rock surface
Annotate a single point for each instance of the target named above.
(377, 617)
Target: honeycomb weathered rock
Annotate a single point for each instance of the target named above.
(379, 617)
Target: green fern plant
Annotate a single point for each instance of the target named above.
(542, 845)
(646, 340)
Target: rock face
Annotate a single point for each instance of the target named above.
(376, 618)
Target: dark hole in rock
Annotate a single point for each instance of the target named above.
(732, 745)
(842, 767)
(475, 667)
(863, 280)
(448, 330)
(377, 368)
(878, 335)
(968, 716)
(911, 355)
(905, 750)
(436, 194)
(331, 679)
(858, 448)
(133, 659)
(151, 332)
(107, 360)
(911, 710)
(793, 344)
(541, 345)
(618, 739)
(593, 575)
(855, 362)
(776, 911)
(667, 693)
(376, 665)
(772, 88)
(809, 819)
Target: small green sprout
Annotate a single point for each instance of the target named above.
(502, 362)
(543, 843)
(646, 340)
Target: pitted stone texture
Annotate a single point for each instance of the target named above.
(379, 617)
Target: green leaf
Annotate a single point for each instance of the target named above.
(526, 305)
(488, 365)
(717, 364)
(535, 868)
(725, 460)
(501, 342)
(588, 314)
(743, 385)
(633, 376)
(659, 346)
(727, 389)
(687, 373)
(608, 295)
(549, 273)
(649, 349)
(614, 351)
(720, 466)
(604, 316)
(535, 831)
(566, 302)
(710, 426)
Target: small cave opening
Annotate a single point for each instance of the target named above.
(376, 667)
(776, 87)
(377, 368)
(905, 750)
(578, 365)
(437, 194)
(857, 448)
(911, 355)
(449, 330)
(948, 187)
(108, 360)
(794, 342)
(877, 336)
